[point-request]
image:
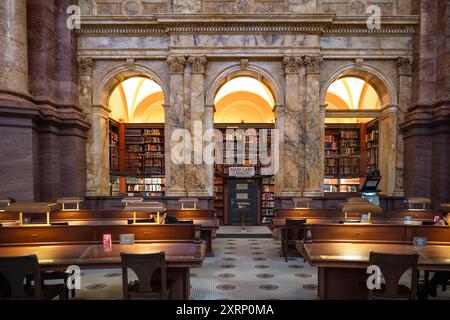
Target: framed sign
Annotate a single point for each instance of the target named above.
(241, 171)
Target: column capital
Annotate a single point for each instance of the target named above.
(278, 108)
(290, 64)
(198, 64)
(404, 66)
(313, 63)
(210, 108)
(176, 64)
(85, 66)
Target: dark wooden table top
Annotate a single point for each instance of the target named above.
(178, 254)
(356, 255)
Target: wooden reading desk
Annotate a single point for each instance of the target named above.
(180, 257)
(342, 266)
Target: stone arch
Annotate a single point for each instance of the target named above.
(118, 74)
(382, 84)
(251, 70)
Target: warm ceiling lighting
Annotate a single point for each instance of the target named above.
(352, 93)
(246, 84)
(126, 99)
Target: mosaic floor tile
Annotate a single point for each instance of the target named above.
(230, 275)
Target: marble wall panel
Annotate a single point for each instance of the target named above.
(242, 41)
(49, 164)
(18, 158)
(245, 6)
(123, 42)
(13, 51)
(303, 6)
(186, 6)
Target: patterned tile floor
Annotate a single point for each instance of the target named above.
(241, 269)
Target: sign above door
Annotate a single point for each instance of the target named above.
(241, 172)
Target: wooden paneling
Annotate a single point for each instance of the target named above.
(89, 233)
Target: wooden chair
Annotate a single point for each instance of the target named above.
(293, 231)
(393, 266)
(148, 286)
(13, 284)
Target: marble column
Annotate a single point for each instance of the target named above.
(209, 168)
(41, 49)
(404, 101)
(389, 149)
(13, 48)
(292, 130)
(175, 119)
(280, 125)
(314, 129)
(97, 145)
(196, 173)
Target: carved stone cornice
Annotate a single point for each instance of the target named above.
(176, 64)
(313, 63)
(290, 64)
(404, 66)
(85, 66)
(198, 64)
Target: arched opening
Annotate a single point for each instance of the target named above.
(244, 100)
(137, 138)
(352, 135)
(244, 187)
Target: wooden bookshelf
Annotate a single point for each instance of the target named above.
(372, 146)
(342, 156)
(143, 159)
(219, 197)
(267, 199)
(114, 149)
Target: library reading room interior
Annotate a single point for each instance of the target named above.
(208, 150)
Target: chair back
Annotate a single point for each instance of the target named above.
(393, 266)
(145, 267)
(13, 271)
(296, 229)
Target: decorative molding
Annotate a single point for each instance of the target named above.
(85, 66)
(313, 63)
(290, 64)
(176, 64)
(198, 63)
(359, 63)
(244, 63)
(404, 66)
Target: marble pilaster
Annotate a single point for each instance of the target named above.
(97, 144)
(389, 150)
(13, 48)
(292, 130)
(314, 129)
(209, 168)
(280, 125)
(175, 119)
(196, 173)
(404, 101)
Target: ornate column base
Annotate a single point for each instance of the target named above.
(200, 193)
(291, 193)
(313, 193)
(176, 193)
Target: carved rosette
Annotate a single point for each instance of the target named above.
(312, 63)
(198, 63)
(176, 64)
(404, 66)
(85, 66)
(291, 64)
